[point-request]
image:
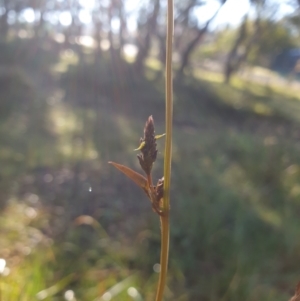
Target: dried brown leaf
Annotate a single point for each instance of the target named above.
(137, 178)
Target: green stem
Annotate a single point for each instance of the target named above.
(164, 255)
(164, 219)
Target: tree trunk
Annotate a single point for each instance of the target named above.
(4, 24)
(162, 48)
(39, 27)
(185, 57)
(123, 27)
(144, 45)
(234, 60)
(97, 37)
(230, 64)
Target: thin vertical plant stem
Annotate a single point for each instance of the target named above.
(164, 219)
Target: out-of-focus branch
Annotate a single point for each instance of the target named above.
(186, 54)
(144, 42)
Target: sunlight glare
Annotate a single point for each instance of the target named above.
(115, 25)
(130, 50)
(30, 212)
(156, 268)
(65, 18)
(131, 24)
(29, 15)
(87, 41)
(69, 295)
(85, 16)
(105, 45)
(87, 3)
(42, 295)
(107, 296)
(2, 265)
(132, 292)
(59, 37)
(23, 34)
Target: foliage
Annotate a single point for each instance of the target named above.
(275, 37)
(218, 47)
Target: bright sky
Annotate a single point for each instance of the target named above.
(231, 13)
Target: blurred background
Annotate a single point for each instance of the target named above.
(78, 80)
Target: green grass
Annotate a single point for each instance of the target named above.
(235, 195)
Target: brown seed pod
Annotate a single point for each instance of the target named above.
(296, 297)
(148, 147)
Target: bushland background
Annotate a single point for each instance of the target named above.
(78, 80)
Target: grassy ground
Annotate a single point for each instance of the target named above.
(235, 194)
